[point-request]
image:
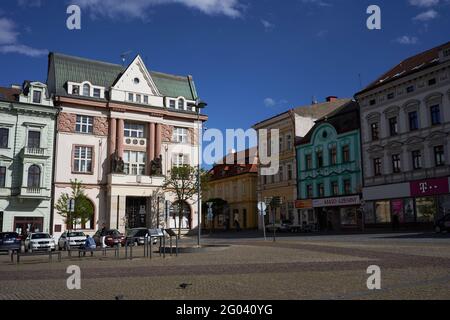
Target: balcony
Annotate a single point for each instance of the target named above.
(122, 179)
(29, 152)
(34, 193)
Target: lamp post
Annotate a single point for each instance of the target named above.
(198, 106)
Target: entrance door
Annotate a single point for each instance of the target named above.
(323, 219)
(25, 225)
(136, 211)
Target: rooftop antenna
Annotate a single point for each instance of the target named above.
(124, 56)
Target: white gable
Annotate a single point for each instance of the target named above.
(136, 79)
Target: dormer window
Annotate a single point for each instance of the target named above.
(86, 90)
(76, 90)
(181, 104)
(172, 104)
(37, 96)
(97, 93)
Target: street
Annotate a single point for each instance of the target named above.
(413, 266)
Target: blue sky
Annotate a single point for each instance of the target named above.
(250, 59)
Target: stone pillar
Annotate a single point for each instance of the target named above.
(150, 146)
(120, 136)
(158, 140)
(112, 138)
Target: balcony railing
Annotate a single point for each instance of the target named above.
(29, 151)
(33, 190)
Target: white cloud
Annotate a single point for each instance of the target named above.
(9, 43)
(322, 33)
(319, 3)
(407, 40)
(426, 16)
(23, 49)
(139, 8)
(424, 3)
(7, 31)
(269, 102)
(267, 25)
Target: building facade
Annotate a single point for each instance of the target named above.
(329, 172)
(27, 131)
(119, 131)
(234, 182)
(405, 127)
(292, 125)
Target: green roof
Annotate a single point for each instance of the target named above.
(66, 68)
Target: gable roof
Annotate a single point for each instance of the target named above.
(242, 164)
(409, 66)
(75, 69)
(343, 119)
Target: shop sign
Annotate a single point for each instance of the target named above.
(429, 187)
(336, 202)
(303, 204)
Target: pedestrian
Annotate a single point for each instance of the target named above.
(103, 234)
(89, 244)
(395, 222)
(238, 226)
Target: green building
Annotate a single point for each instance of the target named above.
(329, 172)
(27, 131)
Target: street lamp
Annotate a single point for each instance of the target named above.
(198, 105)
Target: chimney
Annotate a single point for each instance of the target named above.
(331, 98)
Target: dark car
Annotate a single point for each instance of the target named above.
(138, 235)
(113, 238)
(442, 224)
(10, 241)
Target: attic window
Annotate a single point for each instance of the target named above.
(96, 93)
(372, 102)
(136, 80)
(76, 90)
(37, 94)
(86, 90)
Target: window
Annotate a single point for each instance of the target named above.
(172, 104)
(372, 102)
(346, 154)
(133, 130)
(281, 144)
(347, 186)
(2, 177)
(180, 135)
(97, 93)
(308, 162)
(390, 96)
(82, 160)
(410, 89)
(320, 190)
(146, 99)
(134, 162)
(413, 121)
(37, 96)
(4, 137)
(377, 167)
(34, 177)
(180, 160)
(335, 188)
(75, 90)
(281, 174)
(319, 156)
(333, 156)
(84, 124)
(393, 126)
(375, 131)
(417, 160)
(138, 98)
(181, 104)
(432, 82)
(34, 139)
(131, 97)
(396, 166)
(439, 157)
(435, 115)
(289, 172)
(309, 191)
(289, 142)
(86, 90)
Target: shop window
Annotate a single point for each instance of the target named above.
(408, 205)
(348, 216)
(382, 212)
(369, 215)
(426, 209)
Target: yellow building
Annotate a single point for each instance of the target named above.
(293, 125)
(233, 185)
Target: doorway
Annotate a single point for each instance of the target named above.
(25, 225)
(136, 212)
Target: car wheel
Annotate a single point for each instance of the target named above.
(437, 229)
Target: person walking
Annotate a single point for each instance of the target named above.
(103, 235)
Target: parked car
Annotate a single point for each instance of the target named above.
(113, 238)
(40, 241)
(284, 226)
(72, 239)
(138, 235)
(10, 241)
(442, 224)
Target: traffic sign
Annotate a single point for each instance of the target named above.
(262, 206)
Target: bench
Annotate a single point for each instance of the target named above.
(102, 250)
(50, 255)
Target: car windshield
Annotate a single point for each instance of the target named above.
(113, 233)
(76, 234)
(8, 235)
(40, 236)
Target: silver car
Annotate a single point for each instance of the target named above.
(40, 241)
(74, 239)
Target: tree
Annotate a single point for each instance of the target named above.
(183, 182)
(83, 209)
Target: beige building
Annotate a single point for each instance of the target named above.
(292, 125)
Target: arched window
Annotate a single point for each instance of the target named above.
(34, 177)
(86, 90)
(181, 104)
